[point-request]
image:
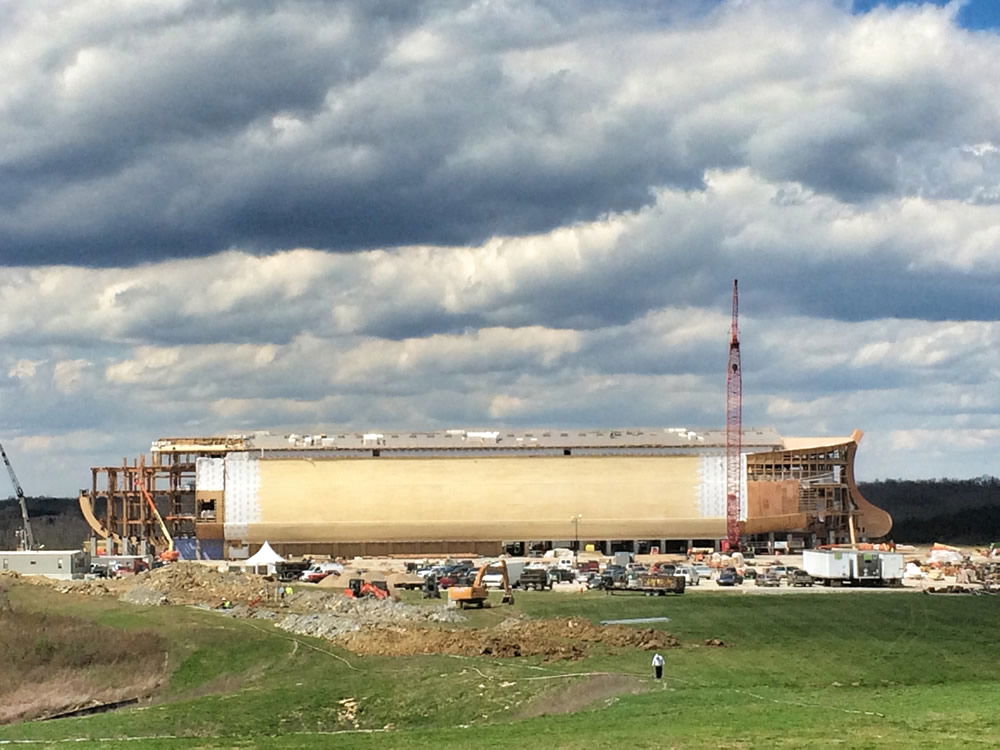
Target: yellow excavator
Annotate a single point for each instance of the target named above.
(477, 594)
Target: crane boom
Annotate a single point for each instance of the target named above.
(734, 429)
(29, 537)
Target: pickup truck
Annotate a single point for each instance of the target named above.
(729, 577)
(799, 577)
(535, 578)
(318, 571)
(768, 577)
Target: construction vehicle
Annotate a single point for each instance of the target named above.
(477, 594)
(535, 578)
(28, 534)
(650, 584)
(359, 588)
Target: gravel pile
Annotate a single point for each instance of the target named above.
(145, 596)
(344, 616)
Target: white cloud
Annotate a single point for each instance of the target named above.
(67, 375)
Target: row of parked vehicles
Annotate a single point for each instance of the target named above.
(778, 574)
(630, 576)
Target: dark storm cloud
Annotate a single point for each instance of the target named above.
(148, 133)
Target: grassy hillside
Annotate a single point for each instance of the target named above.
(53, 663)
(854, 670)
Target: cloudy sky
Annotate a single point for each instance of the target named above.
(229, 215)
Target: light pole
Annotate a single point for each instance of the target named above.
(575, 520)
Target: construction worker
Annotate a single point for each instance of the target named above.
(658, 666)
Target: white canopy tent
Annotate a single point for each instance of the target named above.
(265, 558)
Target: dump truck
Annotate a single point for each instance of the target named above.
(836, 567)
(535, 578)
(650, 584)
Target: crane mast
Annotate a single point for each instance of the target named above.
(734, 428)
(29, 537)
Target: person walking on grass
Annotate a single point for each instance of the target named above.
(658, 666)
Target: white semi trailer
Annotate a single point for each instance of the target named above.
(835, 567)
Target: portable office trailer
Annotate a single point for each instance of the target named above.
(64, 564)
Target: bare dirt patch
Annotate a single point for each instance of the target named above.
(580, 694)
(551, 639)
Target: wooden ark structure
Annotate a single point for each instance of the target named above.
(465, 492)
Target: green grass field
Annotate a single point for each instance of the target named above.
(845, 670)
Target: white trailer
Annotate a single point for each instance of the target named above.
(892, 568)
(825, 566)
(494, 578)
(835, 567)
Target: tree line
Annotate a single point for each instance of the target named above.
(960, 511)
(56, 522)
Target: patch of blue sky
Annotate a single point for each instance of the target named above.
(973, 14)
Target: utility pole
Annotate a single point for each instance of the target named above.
(576, 537)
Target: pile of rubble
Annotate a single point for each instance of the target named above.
(179, 583)
(344, 616)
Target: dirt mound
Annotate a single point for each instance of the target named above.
(550, 639)
(189, 583)
(178, 583)
(332, 581)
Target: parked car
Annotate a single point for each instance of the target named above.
(729, 577)
(768, 577)
(799, 577)
(690, 575)
(455, 575)
(783, 571)
(615, 572)
(703, 571)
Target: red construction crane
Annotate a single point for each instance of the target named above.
(734, 429)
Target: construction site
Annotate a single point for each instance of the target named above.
(474, 544)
